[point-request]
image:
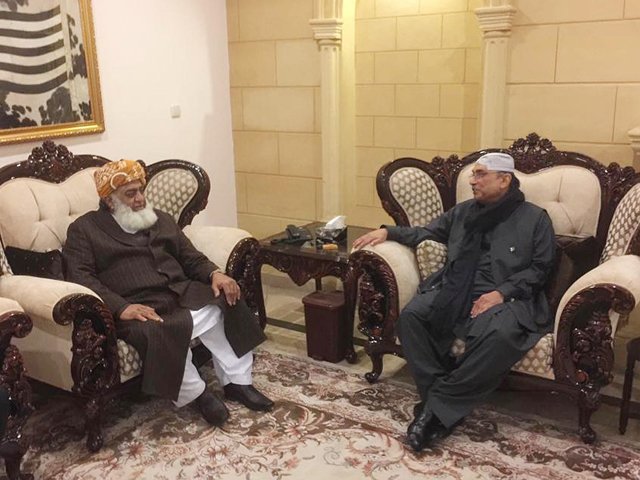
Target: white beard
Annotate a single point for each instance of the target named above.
(130, 221)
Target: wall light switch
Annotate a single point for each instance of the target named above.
(175, 111)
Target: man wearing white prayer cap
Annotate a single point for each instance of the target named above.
(500, 251)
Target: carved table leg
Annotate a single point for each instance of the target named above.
(350, 284)
(633, 355)
(12, 452)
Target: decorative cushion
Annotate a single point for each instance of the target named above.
(37, 264)
(574, 257)
(128, 360)
(35, 214)
(569, 194)
(431, 256)
(417, 194)
(538, 361)
(5, 268)
(171, 190)
(624, 224)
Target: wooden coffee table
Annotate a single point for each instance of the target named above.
(305, 262)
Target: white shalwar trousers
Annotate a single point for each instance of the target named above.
(208, 324)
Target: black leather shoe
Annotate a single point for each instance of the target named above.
(417, 408)
(212, 408)
(248, 396)
(435, 432)
(416, 433)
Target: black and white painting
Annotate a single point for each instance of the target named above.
(48, 71)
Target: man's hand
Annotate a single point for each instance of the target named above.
(371, 238)
(485, 302)
(136, 311)
(231, 289)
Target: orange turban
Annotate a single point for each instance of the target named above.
(115, 174)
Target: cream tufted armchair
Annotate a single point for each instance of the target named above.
(73, 345)
(596, 283)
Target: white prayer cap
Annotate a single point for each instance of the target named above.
(498, 162)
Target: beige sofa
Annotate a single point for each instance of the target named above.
(73, 345)
(596, 283)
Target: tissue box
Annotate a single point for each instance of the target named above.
(326, 323)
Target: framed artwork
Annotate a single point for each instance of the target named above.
(49, 84)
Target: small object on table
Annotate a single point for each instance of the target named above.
(330, 246)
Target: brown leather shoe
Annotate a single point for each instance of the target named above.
(212, 408)
(248, 396)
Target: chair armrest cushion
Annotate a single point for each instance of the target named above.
(38, 296)
(623, 271)
(9, 305)
(404, 265)
(216, 243)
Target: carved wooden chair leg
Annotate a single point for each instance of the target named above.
(93, 425)
(12, 452)
(588, 402)
(376, 363)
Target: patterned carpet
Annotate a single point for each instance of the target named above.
(327, 423)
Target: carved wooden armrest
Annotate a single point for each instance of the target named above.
(13, 322)
(39, 296)
(587, 319)
(389, 277)
(234, 250)
(94, 367)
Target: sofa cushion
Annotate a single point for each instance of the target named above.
(409, 184)
(37, 264)
(575, 256)
(129, 361)
(571, 196)
(5, 268)
(431, 256)
(624, 225)
(35, 214)
(538, 361)
(171, 190)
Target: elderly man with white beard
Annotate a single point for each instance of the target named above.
(163, 293)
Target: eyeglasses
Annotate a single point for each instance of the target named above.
(480, 174)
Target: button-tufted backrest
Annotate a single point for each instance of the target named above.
(570, 194)
(35, 214)
(40, 197)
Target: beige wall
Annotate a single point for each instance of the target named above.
(574, 75)
(275, 78)
(139, 85)
(417, 87)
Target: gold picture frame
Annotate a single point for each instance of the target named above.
(54, 48)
